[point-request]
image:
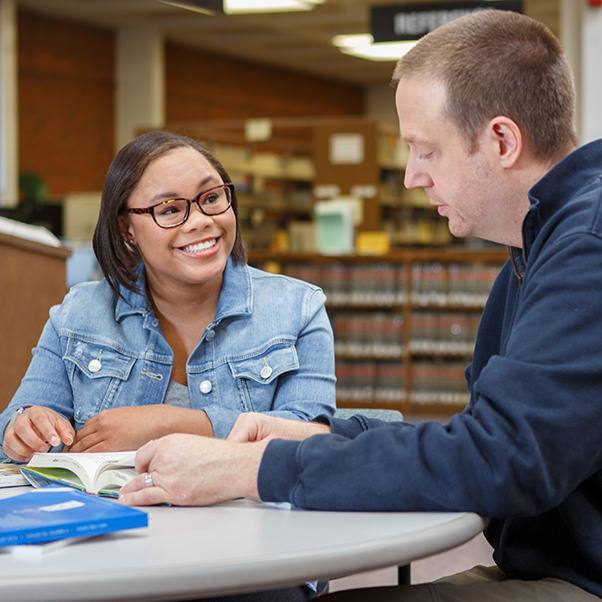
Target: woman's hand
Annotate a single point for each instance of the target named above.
(254, 426)
(128, 428)
(37, 429)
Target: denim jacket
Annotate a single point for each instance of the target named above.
(269, 349)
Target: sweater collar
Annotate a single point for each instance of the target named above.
(550, 193)
(562, 182)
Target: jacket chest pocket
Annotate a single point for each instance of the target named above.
(257, 377)
(97, 374)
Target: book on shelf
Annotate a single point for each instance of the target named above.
(92, 472)
(56, 513)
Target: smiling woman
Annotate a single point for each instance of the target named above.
(181, 335)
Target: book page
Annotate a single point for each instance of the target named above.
(86, 466)
(41, 477)
(111, 480)
(10, 475)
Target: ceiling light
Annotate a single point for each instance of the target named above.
(205, 7)
(239, 7)
(362, 45)
(232, 7)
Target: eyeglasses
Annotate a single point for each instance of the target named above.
(174, 212)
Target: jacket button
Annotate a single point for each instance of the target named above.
(266, 372)
(94, 365)
(206, 387)
(210, 335)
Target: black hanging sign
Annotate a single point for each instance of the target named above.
(399, 22)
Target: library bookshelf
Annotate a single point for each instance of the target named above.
(404, 323)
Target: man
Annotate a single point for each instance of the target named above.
(486, 105)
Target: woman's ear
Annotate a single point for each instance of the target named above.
(507, 140)
(126, 230)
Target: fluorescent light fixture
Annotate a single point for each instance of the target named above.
(232, 7)
(205, 7)
(362, 45)
(239, 7)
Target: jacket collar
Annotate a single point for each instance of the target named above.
(129, 303)
(548, 195)
(558, 186)
(236, 296)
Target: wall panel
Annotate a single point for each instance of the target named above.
(66, 101)
(202, 86)
(66, 97)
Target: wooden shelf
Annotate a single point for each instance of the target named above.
(398, 301)
(33, 277)
(451, 254)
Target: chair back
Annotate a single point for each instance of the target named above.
(378, 413)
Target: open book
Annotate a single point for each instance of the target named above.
(92, 472)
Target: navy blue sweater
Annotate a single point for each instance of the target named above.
(527, 450)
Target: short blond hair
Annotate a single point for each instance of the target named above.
(496, 62)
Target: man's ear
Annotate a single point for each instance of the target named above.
(507, 140)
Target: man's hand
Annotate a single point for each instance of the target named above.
(37, 429)
(188, 470)
(129, 427)
(253, 426)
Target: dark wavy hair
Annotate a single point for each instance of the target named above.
(117, 259)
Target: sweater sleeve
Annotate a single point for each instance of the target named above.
(513, 452)
(354, 425)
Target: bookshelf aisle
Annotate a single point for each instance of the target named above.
(404, 323)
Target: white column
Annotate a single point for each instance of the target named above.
(570, 38)
(9, 189)
(140, 94)
(581, 37)
(591, 75)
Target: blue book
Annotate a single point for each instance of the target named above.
(54, 513)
